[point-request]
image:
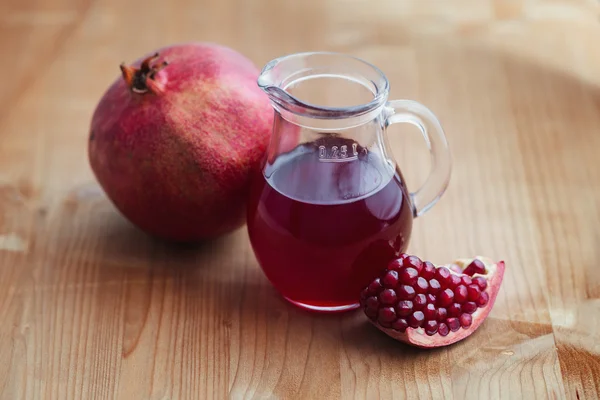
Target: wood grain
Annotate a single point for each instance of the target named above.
(93, 309)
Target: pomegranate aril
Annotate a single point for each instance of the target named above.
(431, 327)
(481, 282)
(453, 324)
(466, 280)
(400, 325)
(465, 320)
(469, 307)
(442, 274)
(430, 312)
(364, 294)
(455, 268)
(431, 298)
(434, 286)
(375, 287)
(473, 292)
(372, 314)
(443, 329)
(416, 319)
(387, 297)
(395, 265)
(428, 270)
(446, 298)
(372, 303)
(390, 280)
(386, 314)
(483, 299)
(420, 301)
(455, 281)
(460, 294)
(408, 276)
(476, 267)
(414, 262)
(406, 292)
(442, 314)
(454, 310)
(422, 285)
(404, 308)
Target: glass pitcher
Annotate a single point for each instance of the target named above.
(329, 207)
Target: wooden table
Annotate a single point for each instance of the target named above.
(92, 308)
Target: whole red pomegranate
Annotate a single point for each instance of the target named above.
(173, 142)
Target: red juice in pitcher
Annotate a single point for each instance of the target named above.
(321, 229)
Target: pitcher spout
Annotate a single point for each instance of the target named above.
(266, 78)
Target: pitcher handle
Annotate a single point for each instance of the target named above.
(414, 113)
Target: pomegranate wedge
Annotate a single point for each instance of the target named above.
(426, 306)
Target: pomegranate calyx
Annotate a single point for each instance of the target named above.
(143, 79)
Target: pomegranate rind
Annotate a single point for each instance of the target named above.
(417, 336)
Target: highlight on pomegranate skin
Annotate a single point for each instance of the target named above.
(426, 306)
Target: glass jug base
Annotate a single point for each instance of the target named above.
(323, 309)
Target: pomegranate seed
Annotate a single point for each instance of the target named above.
(454, 310)
(446, 297)
(404, 308)
(455, 268)
(483, 299)
(469, 307)
(416, 319)
(431, 298)
(453, 324)
(422, 285)
(372, 303)
(455, 280)
(442, 314)
(442, 274)
(476, 267)
(364, 294)
(375, 286)
(420, 301)
(400, 325)
(386, 314)
(428, 270)
(473, 292)
(390, 280)
(481, 282)
(406, 292)
(372, 314)
(387, 297)
(443, 329)
(408, 276)
(431, 327)
(460, 294)
(395, 265)
(466, 320)
(430, 312)
(434, 286)
(402, 256)
(466, 280)
(413, 261)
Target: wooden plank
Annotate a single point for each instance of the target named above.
(92, 308)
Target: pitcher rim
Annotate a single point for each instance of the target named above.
(290, 103)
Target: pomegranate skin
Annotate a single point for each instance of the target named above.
(176, 160)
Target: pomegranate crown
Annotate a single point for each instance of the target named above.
(142, 80)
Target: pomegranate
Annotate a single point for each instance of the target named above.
(427, 306)
(173, 142)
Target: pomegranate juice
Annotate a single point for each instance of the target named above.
(323, 229)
